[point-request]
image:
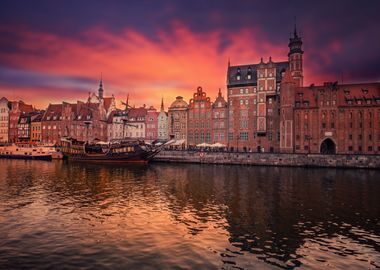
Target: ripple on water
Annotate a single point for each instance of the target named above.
(78, 216)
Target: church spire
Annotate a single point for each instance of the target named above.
(162, 104)
(100, 90)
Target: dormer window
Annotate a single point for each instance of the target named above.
(365, 91)
(346, 92)
(79, 117)
(88, 117)
(249, 74)
(238, 77)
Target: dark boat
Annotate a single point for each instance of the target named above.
(118, 151)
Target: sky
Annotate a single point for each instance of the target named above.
(54, 51)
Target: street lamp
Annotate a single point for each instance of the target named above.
(308, 138)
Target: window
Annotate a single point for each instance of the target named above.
(246, 102)
(243, 136)
(350, 148)
(241, 102)
(241, 90)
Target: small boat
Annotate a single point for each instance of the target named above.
(117, 151)
(26, 151)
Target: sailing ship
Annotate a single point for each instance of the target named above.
(119, 151)
(122, 150)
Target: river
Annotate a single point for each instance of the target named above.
(65, 215)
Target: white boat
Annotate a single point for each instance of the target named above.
(29, 151)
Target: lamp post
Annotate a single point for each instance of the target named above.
(237, 143)
(308, 138)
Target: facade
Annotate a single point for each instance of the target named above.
(18, 108)
(36, 127)
(4, 119)
(151, 124)
(333, 118)
(254, 100)
(116, 125)
(220, 120)
(136, 127)
(163, 123)
(199, 119)
(178, 119)
(84, 121)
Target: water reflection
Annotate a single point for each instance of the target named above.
(161, 216)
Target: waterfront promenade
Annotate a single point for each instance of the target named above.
(270, 159)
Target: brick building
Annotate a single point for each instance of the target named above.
(178, 119)
(219, 120)
(151, 124)
(36, 127)
(18, 108)
(199, 119)
(5, 107)
(85, 121)
(333, 118)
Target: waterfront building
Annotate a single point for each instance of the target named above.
(151, 124)
(84, 121)
(136, 127)
(18, 108)
(36, 127)
(331, 118)
(163, 123)
(199, 119)
(24, 132)
(269, 109)
(5, 107)
(116, 125)
(178, 120)
(51, 124)
(220, 120)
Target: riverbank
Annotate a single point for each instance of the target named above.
(271, 159)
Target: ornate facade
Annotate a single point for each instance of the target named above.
(199, 119)
(178, 119)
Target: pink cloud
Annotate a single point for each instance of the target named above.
(174, 63)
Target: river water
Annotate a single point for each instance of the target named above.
(62, 215)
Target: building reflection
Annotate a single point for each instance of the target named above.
(270, 213)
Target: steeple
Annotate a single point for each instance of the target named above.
(219, 93)
(295, 43)
(162, 104)
(295, 57)
(100, 90)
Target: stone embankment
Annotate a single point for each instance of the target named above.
(271, 159)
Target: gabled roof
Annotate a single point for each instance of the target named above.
(107, 102)
(53, 112)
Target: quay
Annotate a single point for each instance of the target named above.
(270, 159)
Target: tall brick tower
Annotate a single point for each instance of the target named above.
(295, 57)
(288, 85)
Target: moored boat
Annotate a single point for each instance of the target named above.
(25, 151)
(119, 151)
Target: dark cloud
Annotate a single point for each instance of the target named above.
(339, 36)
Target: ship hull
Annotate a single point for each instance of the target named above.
(42, 157)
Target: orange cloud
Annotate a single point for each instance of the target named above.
(172, 63)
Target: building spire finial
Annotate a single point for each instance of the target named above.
(295, 26)
(229, 62)
(162, 103)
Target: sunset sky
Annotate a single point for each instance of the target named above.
(54, 51)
